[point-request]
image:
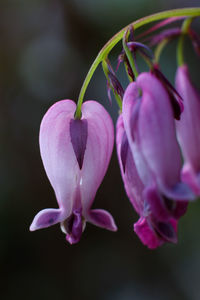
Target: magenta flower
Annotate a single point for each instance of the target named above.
(150, 128)
(188, 129)
(158, 215)
(75, 154)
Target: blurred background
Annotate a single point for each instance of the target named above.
(46, 49)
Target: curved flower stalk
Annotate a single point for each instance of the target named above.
(76, 141)
(188, 129)
(103, 54)
(158, 215)
(150, 128)
(75, 154)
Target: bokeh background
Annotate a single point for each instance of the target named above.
(46, 49)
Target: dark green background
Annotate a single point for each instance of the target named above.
(46, 49)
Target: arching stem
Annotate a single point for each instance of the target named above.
(184, 30)
(187, 12)
(159, 49)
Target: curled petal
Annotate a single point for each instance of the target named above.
(102, 218)
(154, 234)
(146, 234)
(46, 218)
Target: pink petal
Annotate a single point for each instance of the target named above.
(102, 218)
(59, 161)
(75, 154)
(191, 178)
(47, 217)
(146, 234)
(132, 182)
(157, 223)
(188, 127)
(98, 151)
(152, 139)
(130, 114)
(57, 153)
(156, 130)
(154, 234)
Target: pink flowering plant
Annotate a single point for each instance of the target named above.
(157, 137)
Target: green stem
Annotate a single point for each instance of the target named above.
(187, 12)
(129, 54)
(184, 30)
(159, 50)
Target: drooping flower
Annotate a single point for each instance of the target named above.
(150, 128)
(75, 154)
(188, 129)
(158, 215)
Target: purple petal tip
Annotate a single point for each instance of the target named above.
(73, 227)
(102, 218)
(146, 234)
(46, 218)
(79, 134)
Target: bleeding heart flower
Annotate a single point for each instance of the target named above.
(158, 215)
(188, 129)
(150, 128)
(75, 154)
